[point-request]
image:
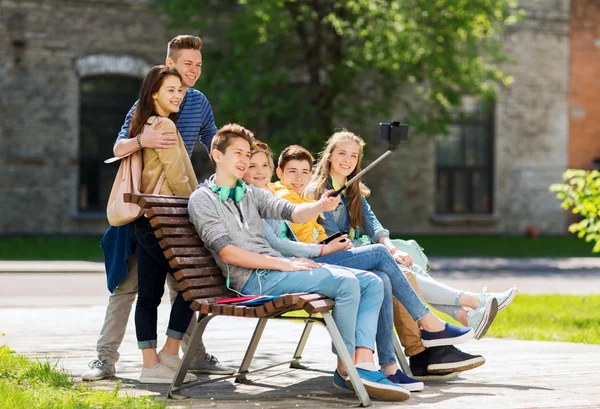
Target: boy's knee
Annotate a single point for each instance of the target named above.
(374, 285)
(349, 285)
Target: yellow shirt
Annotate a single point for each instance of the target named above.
(305, 232)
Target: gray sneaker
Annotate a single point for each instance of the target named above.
(209, 364)
(99, 369)
(481, 318)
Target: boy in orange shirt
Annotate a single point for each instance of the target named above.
(294, 170)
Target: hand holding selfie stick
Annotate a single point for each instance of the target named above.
(393, 132)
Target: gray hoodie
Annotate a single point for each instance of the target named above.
(221, 223)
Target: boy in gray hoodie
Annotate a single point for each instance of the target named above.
(227, 215)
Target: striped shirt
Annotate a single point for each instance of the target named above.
(195, 120)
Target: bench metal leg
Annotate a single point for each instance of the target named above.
(359, 388)
(401, 357)
(301, 344)
(258, 331)
(189, 354)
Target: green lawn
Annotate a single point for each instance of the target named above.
(28, 384)
(564, 318)
(88, 248)
(561, 318)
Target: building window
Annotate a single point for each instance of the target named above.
(464, 164)
(105, 100)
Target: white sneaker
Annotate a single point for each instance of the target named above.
(99, 369)
(481, 318)
(504, 299)
(173, 363)
(159, 374)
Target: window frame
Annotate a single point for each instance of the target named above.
(488, 125)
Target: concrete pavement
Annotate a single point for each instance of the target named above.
(58, 315)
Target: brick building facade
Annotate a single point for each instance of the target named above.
(70, 68)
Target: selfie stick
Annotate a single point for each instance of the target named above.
(362, 172)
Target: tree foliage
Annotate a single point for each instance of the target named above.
(581, 194)
(296, 69)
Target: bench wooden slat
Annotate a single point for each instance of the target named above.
(216, 309)
(155, 201)
(187, 262)
(186, 252)
(260, 311)
(239, 311)
(305, 299)
(170, 242)
(221, 292)
(199, 302)
(319, 306)
(204, 308)
(250, 312)
(197, 272)
(130, 198)
(203, 282)
(170, 221)
(167, 211)
(227, 309)
(165, 232)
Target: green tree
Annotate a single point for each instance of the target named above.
(293, 68)
(581, 194)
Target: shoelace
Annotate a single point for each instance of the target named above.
(96, 363)
(211, 358)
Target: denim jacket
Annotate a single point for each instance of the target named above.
(117, 245)
(288, 247)
(338, 220)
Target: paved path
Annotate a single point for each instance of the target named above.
(58, 316)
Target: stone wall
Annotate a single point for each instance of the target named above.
(46, 47)
(531, 136)
(532, 120)
(49, 44)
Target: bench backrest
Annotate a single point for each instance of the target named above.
(198, 276)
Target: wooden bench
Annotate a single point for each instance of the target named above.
(201, 282)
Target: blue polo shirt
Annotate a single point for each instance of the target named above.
(195, 121)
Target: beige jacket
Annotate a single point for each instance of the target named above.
(180, 178)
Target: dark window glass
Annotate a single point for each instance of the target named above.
(105, 100)
(464, 164)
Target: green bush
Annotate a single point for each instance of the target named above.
(581, 194)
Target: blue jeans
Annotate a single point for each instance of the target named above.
(377, 258)
(357, 295)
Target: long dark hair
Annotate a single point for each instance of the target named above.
(145, 106)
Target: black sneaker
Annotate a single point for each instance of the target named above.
(418, 367)
(441, 360)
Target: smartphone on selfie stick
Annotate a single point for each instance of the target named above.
(394, 133)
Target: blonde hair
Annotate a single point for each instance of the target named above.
(182, 42)
(355, 191)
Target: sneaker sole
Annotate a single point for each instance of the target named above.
(448, 341)
(97, 378)
(437, 377)
(162, 380)
(510, 299)
(211, 372)
(491, 309)
(344, 388)
(413, 387)
(156, 380)
(454, 367)
(383, 392)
